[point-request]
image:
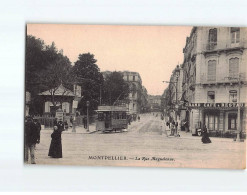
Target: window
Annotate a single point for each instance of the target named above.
(232, 121)
(211, 70)
(212, 38)
(235, 35)
(233, 96)
(127, 77)
(211, 96)
(134, 78)
(212, 121)
(234, 67)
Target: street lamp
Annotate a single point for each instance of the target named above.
(87, 116)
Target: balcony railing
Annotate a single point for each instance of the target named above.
(211, 46)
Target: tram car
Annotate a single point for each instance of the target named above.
(111, 118)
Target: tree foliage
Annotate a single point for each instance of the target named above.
(46, 68)
(87, 74)
(115, 88)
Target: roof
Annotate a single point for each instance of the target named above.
(61, 91)
(112, 108)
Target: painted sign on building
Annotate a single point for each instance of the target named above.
(59, 115)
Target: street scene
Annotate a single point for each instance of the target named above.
(148, 96)
(145, 143)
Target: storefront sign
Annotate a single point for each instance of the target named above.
(75, 104)
(215, 105)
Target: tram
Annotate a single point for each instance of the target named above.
(111, 118)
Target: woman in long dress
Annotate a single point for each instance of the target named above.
(205, 136)
(55, 150)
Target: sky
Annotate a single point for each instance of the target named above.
(153, 51)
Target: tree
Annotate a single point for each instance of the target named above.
(46, 69)
(115, 88)
(87, 74)
(55, 75)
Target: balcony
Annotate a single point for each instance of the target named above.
(218, 48)
(211, 46)
(218, 81)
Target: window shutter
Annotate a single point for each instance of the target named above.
(237, 36)
(211, 70)
(233, 67)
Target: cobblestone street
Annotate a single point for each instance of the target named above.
(144, 141)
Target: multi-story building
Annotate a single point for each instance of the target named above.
(155, 103)
(215, 78)
(138, 97)
(135, 96)
(173, 94)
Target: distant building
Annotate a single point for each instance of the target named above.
(137, 99)
(155, 103)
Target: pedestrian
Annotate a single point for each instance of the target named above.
(172, 127)
(66, 126)
(55, 150)
(186, 126)
(55, 122)
(71, 121)
(38, 126)
(129, 119)
(31, 139)
(85, 122)
(139, 118)
(205, 136)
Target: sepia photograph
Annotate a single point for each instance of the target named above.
(135, 96)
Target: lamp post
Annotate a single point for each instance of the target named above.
(87, 117)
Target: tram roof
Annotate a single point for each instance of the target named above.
(112, 108)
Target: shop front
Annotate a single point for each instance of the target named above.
(220, 118)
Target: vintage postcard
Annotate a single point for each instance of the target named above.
(149, 96)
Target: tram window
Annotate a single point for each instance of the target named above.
(100, 116)
(124, 115)
(107, 115)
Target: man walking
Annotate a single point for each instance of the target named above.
(31, 138)
(85, 122)
(38, 126)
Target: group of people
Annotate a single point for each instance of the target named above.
(84, 120)
(32, 137)
(174, 126)
(133, 117)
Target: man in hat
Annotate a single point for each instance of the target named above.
(31, 138)
(38, 126)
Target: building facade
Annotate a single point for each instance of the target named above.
(214, 78)
(137, 101)
(155, 103)
(136, 93)
(172, 96)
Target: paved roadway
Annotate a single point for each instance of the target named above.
(144, 144)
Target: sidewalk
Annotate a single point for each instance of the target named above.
(188, 135)
(79, 130)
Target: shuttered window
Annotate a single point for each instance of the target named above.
(233, 67)
(212, 36)
(235, 35)
(212, 70)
